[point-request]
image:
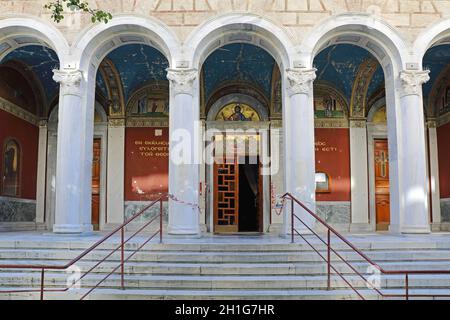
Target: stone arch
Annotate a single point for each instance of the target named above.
(18, 31)
(240, 28)
(364, 30)
(437, 33)
(98, 40)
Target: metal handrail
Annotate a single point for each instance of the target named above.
(331, 230)
(121, 246)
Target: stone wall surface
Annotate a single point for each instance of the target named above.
(410, 17)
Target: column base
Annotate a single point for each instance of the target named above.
(416, 229)
(68, 228)
(177, 230)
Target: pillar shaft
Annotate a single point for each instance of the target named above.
(359, 179)
(69, 163)
(184, 131)
(413, 196)
(299, 148)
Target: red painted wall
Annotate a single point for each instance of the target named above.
(146, 163)
(28, 137)
(333, 158)
(443, 137)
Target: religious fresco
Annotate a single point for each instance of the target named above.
(11, 169)
(380, 116)
(150, 101)
(237, 112)
(328, 103)
(277, 102)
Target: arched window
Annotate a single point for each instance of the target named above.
(322, 182)
(11, 168)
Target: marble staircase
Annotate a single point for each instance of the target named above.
(225, 267)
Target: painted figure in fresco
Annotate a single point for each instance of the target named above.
(11, 169)
(238, 115)
(154, 106)
(142, 105)
(328, 107)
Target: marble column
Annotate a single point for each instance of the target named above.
(413, 180)
(184, 132)
(299, 162)
(70, 163)
(276, 175)
(41, 173)
(359, 177)
(434, 174)
(115, 172)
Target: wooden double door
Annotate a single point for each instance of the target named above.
(96, 184)
(382, 196)
(237, 196)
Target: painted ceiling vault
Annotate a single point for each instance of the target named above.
(137, 64)
(41, 60)
(435, 60)
(339, 64)
(238, 62)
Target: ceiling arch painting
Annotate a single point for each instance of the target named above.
(41, 60)
(436, 60)
(339, 65)
(137, 64)
(238, 62)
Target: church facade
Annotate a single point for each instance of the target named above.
(224, 106)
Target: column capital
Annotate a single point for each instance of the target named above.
(43, 123)
(431, 123)
(69, 79)
(358, 122)
(182, 80)
(300, 80)
(412, 81)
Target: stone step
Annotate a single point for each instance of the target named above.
(224, 247)
(224, 282)
(161, 268)
(224, 257)
(146, 294)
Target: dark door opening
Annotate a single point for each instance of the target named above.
(248, 197)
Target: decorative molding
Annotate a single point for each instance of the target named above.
(147, 122)
(116, 122)
(18, 112)
(412, 81)
(69, 79)
(444, 119)
(182, 80)
(300, 81)
(113, 83)
(361, 84)
(330, 123)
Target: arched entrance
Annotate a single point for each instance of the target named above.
(238, 105)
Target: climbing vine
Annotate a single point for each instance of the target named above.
(57, 8)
